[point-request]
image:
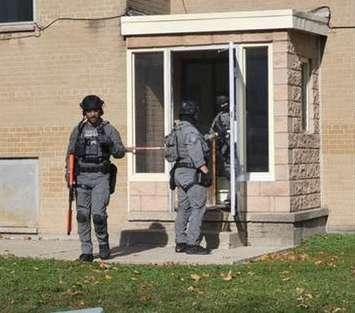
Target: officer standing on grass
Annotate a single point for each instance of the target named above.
(191, 178)
(92, 142)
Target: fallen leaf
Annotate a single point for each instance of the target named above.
(104, 265)
(145, 298)
(299, 290)
(227, 276)
(191, 288)
(195, 277)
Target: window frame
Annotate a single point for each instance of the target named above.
(270, 174)
(168, 108)
(131, 123)
(21, 25)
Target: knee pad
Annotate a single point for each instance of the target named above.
(99, 220)
(82, 217)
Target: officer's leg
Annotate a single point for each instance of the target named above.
(182, 216)
(100, 199)
(83, 207)
(197, 196)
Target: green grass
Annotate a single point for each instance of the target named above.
(318, 276)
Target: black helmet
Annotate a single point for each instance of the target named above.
(189, 107)
(91, 102)
(222, 102)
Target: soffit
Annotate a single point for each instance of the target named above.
(224, 22)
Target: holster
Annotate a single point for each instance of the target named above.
(172, 184)
(203, 179)
(113, 177)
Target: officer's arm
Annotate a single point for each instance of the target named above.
(195, 151)
(118, 150)
(71, 149)
(72, 140)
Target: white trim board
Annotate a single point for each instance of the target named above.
(222, 22)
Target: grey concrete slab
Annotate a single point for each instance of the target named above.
(93, 310)
(70, 250)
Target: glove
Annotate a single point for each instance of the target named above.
(204, 179)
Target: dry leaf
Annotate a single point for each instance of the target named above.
(227, 276)
(191, 288)
(145, 298)
(108, 277)
(104, 265)
(195, 277)
(299, 290)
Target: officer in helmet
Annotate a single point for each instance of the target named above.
(93, 142)
(221, 126)
(192, 179)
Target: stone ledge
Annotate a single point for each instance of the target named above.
(18, 230)
(213, 215)
(17, 27)
(292, 217)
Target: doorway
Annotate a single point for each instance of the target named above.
(202, 75)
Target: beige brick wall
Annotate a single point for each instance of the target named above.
(337, 107)
(43, 81)
(151, 6)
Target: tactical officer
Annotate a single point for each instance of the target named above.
(221, 126)
(93, 141)
(191, 178)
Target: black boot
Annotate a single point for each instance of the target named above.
(180, 247)
(86, 257)
(196, 249)
(104, 252)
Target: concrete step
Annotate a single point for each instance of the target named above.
(161, 238)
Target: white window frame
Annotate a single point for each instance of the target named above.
(131, 124)
(258, 176)
(21, 25)
(168, 108)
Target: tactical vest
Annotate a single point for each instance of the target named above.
(181, 131)
(88, 148)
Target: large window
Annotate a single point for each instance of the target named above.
(149, 111)
(16, 11)
(257, 109)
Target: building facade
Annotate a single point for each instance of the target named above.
(142, 68)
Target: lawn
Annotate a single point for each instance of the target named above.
(318, 276)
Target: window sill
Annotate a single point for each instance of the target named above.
(17, 27)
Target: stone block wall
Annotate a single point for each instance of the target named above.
(304, 144)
